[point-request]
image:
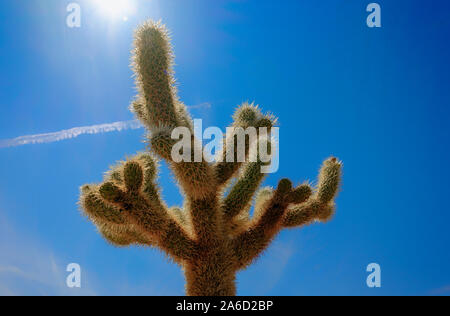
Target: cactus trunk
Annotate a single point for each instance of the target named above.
(205, 278)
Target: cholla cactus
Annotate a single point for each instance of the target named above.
(212, 236)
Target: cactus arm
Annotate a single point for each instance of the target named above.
(110, 220)
(124, 235)
(247, 115)
(97, 209)
(129, 196)
(176, 237)
(236, 205)
(270, 209)
(124, 220)
(170, 236)
(329, 180)
(159, 108)
(248, 245)
(307, 213)
(153, 60)
(172, 240)
(320, 206)
(241, 194)
(176, 242)
(153, 66)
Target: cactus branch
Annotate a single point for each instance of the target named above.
(320, 206)
(152, 64)
(247, 115)
(242, 192)
(136, 204)
(262, 229)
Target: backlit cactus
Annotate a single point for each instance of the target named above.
(213, 235)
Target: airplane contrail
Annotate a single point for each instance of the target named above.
(77, 131)
(70, 133)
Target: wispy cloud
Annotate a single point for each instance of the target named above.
(70, 133)
(77, 131)
(28, 268)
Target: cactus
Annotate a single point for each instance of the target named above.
(212, 236)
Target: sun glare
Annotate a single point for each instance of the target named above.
(117, 9)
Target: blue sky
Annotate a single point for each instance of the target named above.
(376, 98)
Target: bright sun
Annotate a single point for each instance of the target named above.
(116, 8)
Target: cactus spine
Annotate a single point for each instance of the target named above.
(212, 236)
